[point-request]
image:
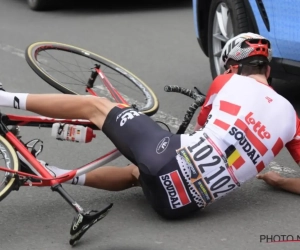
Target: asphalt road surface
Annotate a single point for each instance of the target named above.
(155, 40)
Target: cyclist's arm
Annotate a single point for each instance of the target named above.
(274, 179)
(289, 184)
(213, 90)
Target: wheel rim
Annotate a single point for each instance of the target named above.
(222, 31)
(43, 56)
(9, 160)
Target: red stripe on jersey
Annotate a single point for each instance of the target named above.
(294, 148)
(180, 188)
(229, 108)
(221, 124)
(238, 163)
(277, 146)
(260, 166)
(262, 149)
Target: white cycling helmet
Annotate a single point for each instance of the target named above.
(246, 45)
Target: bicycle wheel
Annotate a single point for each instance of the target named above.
(68, 69)
(9, 160)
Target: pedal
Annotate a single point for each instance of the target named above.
(83, 221)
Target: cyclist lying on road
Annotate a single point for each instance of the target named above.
(242, 126)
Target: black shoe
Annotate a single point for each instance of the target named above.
(83, 221)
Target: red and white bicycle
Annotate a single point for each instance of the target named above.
(72, 70)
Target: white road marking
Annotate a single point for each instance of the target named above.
(160, 115)
(12, 50)
(281, 169)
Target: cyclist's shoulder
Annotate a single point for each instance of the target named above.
(219, 82)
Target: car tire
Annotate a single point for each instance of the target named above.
(235, 10)
(39, 5)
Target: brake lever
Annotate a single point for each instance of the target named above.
(198, 91)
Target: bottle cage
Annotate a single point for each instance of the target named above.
(34, 147)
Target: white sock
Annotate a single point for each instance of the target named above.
(13, 100)
(55, 171)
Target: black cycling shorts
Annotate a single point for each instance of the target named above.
(153, 150)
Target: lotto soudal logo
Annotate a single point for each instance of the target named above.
(258, 127)
(246, 146)
(162, 145)
(175, 190)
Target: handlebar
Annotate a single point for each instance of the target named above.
(199, 100)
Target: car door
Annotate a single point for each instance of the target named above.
(264, 18)
(287, 27)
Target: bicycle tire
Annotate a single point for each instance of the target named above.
(11, 159)
(39, 56)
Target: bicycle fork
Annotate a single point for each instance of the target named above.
(83, 219)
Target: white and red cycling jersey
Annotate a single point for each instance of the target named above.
(244, 125)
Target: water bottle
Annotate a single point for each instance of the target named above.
(71, 132)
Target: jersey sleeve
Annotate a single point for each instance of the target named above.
(294, 145)
(213, 90)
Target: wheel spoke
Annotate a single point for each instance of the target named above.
(218, 53)
(222, 31)
(68, 69)
(225, 14)
(222, 17)
(220, 37)
(229, 27)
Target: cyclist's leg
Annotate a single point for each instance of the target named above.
(138, 137)
(153, 149)
(113, 178)
(90, 108)
(62, 106)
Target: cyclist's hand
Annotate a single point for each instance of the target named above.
(271, 178)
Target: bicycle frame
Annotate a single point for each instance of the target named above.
(46, 179)
(43, 177)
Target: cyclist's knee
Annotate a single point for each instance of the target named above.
(135, 173)
(98, 109)
(103, 105)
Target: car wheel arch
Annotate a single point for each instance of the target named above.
(202, 10)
